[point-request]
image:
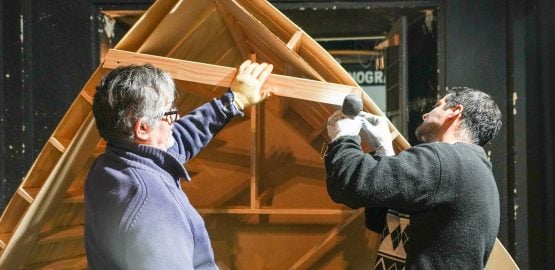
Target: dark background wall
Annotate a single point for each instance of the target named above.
(50, 48)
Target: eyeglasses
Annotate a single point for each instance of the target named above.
(170, 116)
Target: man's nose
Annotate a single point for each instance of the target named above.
(424, 116)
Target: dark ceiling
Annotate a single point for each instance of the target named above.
(325, 19)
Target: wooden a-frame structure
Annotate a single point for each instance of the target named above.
(260, 184)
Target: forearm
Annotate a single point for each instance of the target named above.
(195, 130)
(356, 179)
(345, 167)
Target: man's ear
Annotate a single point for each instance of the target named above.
(141, 131)
(456, 111)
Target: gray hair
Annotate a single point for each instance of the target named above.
(128, 94)
(481, 117)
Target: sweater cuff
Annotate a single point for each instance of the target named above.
(228, 105)
(346, 138)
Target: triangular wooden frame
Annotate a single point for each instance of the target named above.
(33, 231)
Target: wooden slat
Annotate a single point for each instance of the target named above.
(316, 133)
(60, 235)
(257, 150)
(145, 25)
(270, 211)
(173, 27)
(76, 263)
(28, 194)
(271, 17)
(199, 36)
(12, 214)
(87, 97)
(295, 41)
(256, 27)
(332, 238)
(59, 143)
(49, 237)
(4, 239)
(52, 193)
(236, 33)
(222, 76)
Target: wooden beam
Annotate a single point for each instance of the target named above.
(286, 86)
(271, 211)
(76, 263)
(59, 235)
(235, 31)
(196, 34)
(257, 150)
(332, 238)
(51, 194)
(145, 25)
(295, 41)
(260, 30)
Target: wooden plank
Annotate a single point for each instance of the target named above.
(295, 41)
(332, 238)
(199, 36)
(257, 147)
(271, 17)
(145, 25)
(52, 193)
(500, 258)
(174, 26)
(11, 215)
(49, 237)
(316, 133)
(59, 143)
(222, 76)
(270, 211)
(59, 235)
(28, 194)
(257, 150)
(281, 49)
(236, 32)
(76, 263)
(4, 239)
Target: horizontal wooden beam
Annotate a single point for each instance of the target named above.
(285, 86)
(275, 211)
(332, 238)
(49, 237)
(76, 263)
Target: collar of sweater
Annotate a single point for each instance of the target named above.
(148, 155)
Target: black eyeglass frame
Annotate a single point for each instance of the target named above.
(173, 115)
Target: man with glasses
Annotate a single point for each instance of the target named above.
(136, 215)
(445, 184)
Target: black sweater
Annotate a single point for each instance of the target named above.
(448, 190)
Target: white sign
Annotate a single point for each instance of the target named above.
(368, 77)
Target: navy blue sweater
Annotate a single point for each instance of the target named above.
(136, 215)
(448, 190)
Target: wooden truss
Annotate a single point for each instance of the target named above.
(271, 210)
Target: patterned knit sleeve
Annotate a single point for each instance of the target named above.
(405, 182)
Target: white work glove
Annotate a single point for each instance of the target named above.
(376, 130)
(341, 125)
(247, 84)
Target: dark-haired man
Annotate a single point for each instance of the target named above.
(445, 184)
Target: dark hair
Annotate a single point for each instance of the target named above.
(128, 94)
(481, 117)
